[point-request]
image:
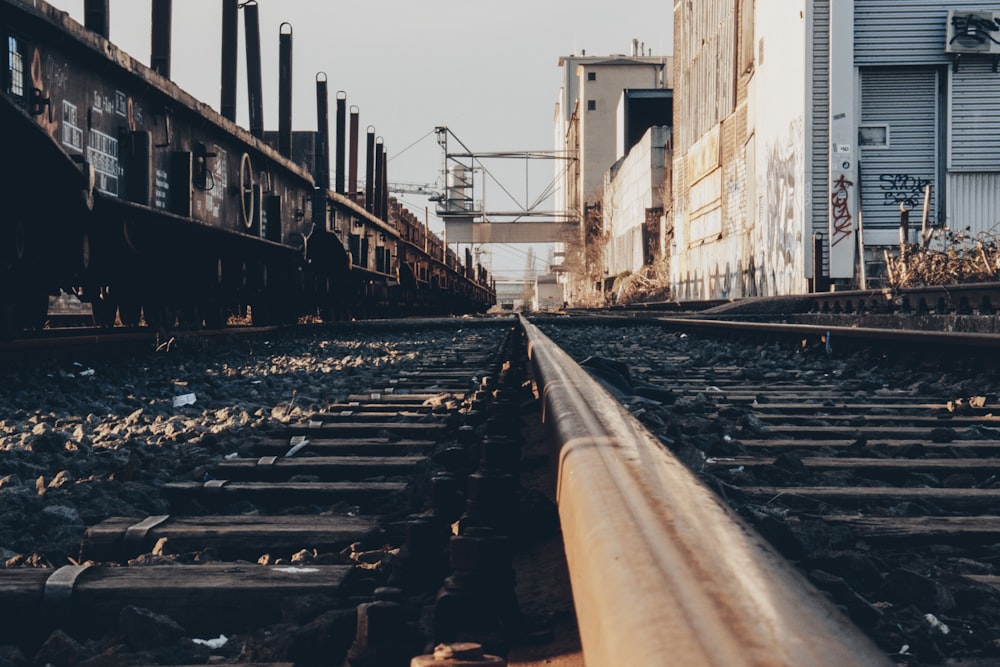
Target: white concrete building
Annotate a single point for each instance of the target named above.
(586, 116)
(633, 204)
(799, 123)
(586, 128)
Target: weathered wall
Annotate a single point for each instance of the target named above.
(739, 214)
(631, 190)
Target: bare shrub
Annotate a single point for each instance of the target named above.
(946, 257)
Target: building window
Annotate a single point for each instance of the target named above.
(873, 136)
(591, 76)
(591, 105)
(15, 68)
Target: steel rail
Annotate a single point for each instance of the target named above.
(966, 341)
(661, 571)
(954, 339)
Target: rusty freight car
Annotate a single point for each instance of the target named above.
(123, 189)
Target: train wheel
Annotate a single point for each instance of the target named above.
(159, 314)
(259, 314)
(216, 315)
(189, 317)
(105, 308)
(130, 311)
(26, 311)
(14, 242)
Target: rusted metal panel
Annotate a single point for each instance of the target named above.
(98, 115)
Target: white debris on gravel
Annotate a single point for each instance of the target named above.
(103, 448)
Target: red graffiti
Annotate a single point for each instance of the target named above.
(842, 222)
(45, 116)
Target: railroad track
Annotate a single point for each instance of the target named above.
(318, 529)
(336, 533)
(876, 474)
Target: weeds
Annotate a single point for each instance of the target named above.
(946, 257)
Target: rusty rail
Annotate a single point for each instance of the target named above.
(661, 570)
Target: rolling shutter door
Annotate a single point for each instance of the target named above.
(906, 101)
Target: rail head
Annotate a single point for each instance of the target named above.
(662, 572)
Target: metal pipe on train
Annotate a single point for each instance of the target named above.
(96, 17)
(165, 177)
(370, 171)
(255, 83)
(341, 132)
(384, 185)
(285, 89)
(352, 173)
(322, 159)
(377, 186)
(159, 59)
(230, 56)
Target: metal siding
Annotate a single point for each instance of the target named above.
(906, 100)
(821, 121)
(974, 202)
(888, 33)
(975, 116)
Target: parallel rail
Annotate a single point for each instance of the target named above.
(661, 570)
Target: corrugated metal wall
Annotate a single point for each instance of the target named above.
(820, 165)
(705, 44)
(974, 202)
(905, 99)
(911, 32)
(975, 116)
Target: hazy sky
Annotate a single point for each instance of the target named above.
(487, 69)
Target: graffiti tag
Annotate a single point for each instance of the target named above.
(45, 119)
(902, 189)
(841, 219)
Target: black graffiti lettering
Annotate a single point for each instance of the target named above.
(904, 189)
(971, 30)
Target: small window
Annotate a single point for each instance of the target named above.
(591, 76)
(15, 68)
(591, 105)
(873, 136)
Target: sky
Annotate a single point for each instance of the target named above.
(486, 69)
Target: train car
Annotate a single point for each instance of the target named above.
(123, 189)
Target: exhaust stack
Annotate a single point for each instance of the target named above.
(96, 17)
(322, 166)
(230, 54)
(159, 59)
(352, 174)
(341, 138)
(370, 172)
(285, 90)
(255, 85)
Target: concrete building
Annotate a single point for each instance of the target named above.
(804, 127)
(587, 127)
(633, 204)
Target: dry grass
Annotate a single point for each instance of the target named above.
(946, 257)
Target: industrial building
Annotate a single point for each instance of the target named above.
(807, 129)
(606, 106)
